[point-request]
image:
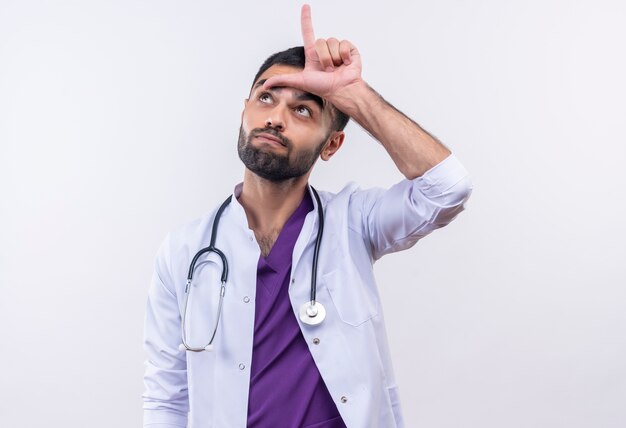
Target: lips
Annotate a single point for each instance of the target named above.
(270, 137)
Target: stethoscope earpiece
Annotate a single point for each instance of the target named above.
(207, 348)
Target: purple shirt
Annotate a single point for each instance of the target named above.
(286, 389)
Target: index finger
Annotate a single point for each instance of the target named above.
(308, 36)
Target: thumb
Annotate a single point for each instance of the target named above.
(293, 80)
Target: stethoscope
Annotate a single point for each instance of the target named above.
(311, 312)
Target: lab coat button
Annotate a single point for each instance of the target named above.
(242, 366)
(316, 341)
(344, 399)
(246, 299)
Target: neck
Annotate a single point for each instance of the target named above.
(268, 205)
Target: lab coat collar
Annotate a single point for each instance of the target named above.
(241, 213)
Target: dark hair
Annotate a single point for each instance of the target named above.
(294, 57)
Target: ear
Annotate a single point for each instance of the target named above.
(245, 103)
(334, 143)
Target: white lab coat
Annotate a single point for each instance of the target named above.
(210, 389)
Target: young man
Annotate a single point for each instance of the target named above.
(281, 357)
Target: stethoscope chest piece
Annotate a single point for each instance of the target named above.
(312, 313)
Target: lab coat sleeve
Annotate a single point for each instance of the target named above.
(165, 398)
(396, 218)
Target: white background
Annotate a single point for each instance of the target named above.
(119, 120)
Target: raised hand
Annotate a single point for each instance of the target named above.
(330, 65)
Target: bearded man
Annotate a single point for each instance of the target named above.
(295, 335)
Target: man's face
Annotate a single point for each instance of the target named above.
(283, 130)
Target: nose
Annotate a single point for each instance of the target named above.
(276, 119)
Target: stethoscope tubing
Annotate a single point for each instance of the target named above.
(224, 276)
(318, 241)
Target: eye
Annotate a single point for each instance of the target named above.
(265, 97)
(304, 111)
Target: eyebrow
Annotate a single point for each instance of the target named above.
(302, 96)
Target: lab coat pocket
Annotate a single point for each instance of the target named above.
(201, 385)
(354, 304)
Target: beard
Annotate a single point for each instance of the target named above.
(273, 166)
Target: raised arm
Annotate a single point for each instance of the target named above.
(437, 185)
(333, 71)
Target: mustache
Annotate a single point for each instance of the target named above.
(285, 141)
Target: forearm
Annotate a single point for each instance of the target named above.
(413, 150)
